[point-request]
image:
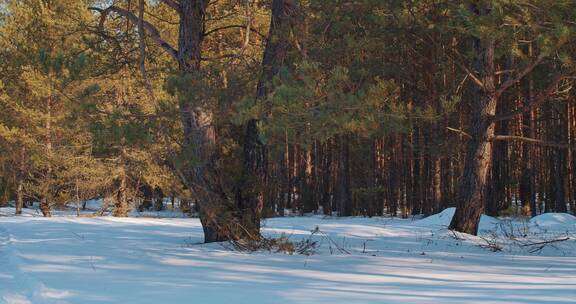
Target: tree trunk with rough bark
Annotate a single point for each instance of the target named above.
(471, 198)
(249, 191)
(220, 219)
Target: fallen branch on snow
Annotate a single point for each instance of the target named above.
(546, 242)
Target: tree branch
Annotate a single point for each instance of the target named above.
(142, 46)
(173, 4)
(532, 141)
(471, 74)
(459, 132)
(538, 100)
(212, 31)
(510, 82)
(468, 72)
(152, 31)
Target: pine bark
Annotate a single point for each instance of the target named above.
(343, 191)
(249, 192)
(44, 201)
(121, 208)
(220, 218)
(20, 183)
(472, 195)
(527, 180)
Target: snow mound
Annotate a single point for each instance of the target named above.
(554, 221)
(439, 219)
(10, 211)
(443, 219)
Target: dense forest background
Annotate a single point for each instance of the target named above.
(242, 109)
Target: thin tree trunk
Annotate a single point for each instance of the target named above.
(527, 179)
(121, 208)
(571, 179)
(343, 193)
(438, 197)
(20, 183)
(558, 166)
(77, 198)
(19, 196)
(44, 202)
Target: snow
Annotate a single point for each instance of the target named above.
(443, 219)
(161, 260)
(93, 207)
(556, 221)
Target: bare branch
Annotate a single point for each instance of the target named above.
(546, 242)
(212, 31)
(459, 132)
(532, 141)
(510, 82)
(538, 100)
(470, 74)
(152, 31)
(161, 19)
(173, 4)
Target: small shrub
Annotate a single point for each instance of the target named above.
(282, 244)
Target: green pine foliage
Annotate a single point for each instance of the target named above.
(77, 112)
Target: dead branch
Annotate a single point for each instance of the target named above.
(537, 101)
(212, 31)
(173, 4)
(532, 141)
(459, 132)
(546, 242)
(151, 29)
(522, 74)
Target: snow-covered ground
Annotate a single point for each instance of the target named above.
(94, 207)
(359, 260)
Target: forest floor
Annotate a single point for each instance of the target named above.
(357, 260)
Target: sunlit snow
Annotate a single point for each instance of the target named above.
(160, 260)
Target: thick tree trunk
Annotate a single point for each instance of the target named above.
(220, 219)
(249, 191)
(472, 195)
(250, 188)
